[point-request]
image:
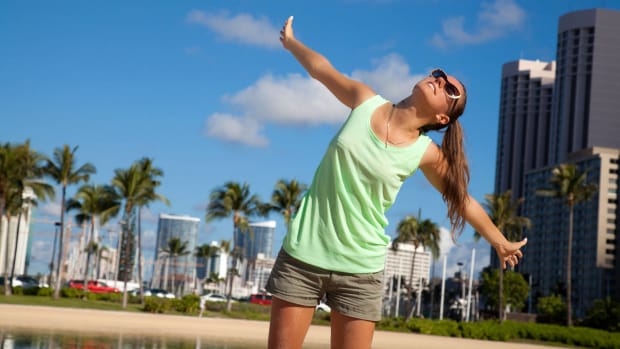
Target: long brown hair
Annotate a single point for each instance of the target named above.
(456, 180)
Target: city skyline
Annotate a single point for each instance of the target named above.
(175, 82)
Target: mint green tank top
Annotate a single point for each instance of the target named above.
(340, 225)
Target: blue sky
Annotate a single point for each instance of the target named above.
(205, 89)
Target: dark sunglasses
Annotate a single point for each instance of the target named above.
(451, 90)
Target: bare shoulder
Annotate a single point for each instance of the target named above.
(432, 156)
(362, 92)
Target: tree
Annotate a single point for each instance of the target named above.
(286, 198)
(418, 232)
(174, 249)
(604, 314)
(551, 309)
(151, 178)
(233, 200)
(503, 212)
(136, 186)
(21, 170)
(514, 292)
(96, 204)
(63, 170)
(570, 185)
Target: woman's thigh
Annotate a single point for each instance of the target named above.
(289, 324)
(350, 333)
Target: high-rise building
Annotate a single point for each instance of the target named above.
(18, 231)
(172, 269)
(586, 104)
(595, 230)
(524, 122)
(569, 115)
(258, 240)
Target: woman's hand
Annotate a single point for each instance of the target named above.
(286, 34)
(509, 252)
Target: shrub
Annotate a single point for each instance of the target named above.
(68, 292)
(45, 291)
(157, 305)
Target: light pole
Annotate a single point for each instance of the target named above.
(462, 281)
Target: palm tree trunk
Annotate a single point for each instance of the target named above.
(7, 282)
(410, 284)
(500, 303)
(61, 244)
(140, 255)
(569, 301)
(19, 219)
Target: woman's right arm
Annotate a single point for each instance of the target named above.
(348, 91)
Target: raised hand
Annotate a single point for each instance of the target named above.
(286, 34)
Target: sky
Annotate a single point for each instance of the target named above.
(205, 89)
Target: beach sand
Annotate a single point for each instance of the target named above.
(217, 330)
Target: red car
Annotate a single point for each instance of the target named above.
(93, 286)
(261, 298)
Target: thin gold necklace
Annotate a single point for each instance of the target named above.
(387, 129)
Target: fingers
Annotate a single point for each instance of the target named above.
(286, 28)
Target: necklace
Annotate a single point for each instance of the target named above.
(387, 126)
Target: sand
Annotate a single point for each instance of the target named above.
(216, 330)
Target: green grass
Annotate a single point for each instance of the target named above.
(68, 303)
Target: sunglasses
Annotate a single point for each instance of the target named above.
(451, 90)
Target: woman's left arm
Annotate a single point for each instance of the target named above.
(433, 165)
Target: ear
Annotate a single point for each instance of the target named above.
(442, 119)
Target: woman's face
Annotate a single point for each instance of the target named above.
(438, 93)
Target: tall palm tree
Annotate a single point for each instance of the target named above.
(21, 169)
(569, 184)
(286, 198)
(233, 199)
(62, 168)
(503, 212)
(150, 176)
(96, 204)
(418, 232)
(174, 249)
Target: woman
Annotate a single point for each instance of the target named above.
(336, 244)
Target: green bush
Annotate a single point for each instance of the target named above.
(157, 305)
(188, 304)
(45, 292)
(68, 292)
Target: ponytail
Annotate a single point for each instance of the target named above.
(456, 179)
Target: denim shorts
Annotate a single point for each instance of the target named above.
(355, 295)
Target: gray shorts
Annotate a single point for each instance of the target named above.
(355, 295)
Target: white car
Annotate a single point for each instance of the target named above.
(323, 307)
(212, 297)
(157, 292)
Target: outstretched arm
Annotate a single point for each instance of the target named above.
(434, 167)
(349, 92)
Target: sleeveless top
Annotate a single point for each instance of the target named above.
(340, 225)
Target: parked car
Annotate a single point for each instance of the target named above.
(154, 292)
(212, 297)
(93, 286)
(323, 307)
(22, 281)
(261, 298)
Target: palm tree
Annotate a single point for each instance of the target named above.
(63, 169)
(570, 185)
(175, 249)
(136, 186)
(503, 212)
(96, 204)
(418, 232)
(233, 199)
(205, 252)
(286, 198)
(21, 169)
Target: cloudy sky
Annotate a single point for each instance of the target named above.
(205, 89)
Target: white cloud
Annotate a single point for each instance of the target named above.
(149, 239)
(51, 209)
(494, 21)
(236, 130)
(243, 28)
(301, 100)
